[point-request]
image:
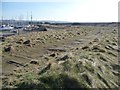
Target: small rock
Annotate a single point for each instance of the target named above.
(39, 39)
(90, 42)
(85, 47)
(20, 41)
(77, 48)
(63, 37)
(26, 42)
(7, 49)
(107, 41)
(2, 39)
(78, 33)
(34, 62)
(46, 58)
(113, 43)
(53, 55)
(96, 40)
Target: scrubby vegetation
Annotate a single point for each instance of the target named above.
(75, 57)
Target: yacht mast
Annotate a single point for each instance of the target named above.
(31, 18)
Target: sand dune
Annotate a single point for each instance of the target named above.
(74, 57)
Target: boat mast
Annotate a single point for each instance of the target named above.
(27, 21)
(31, 19)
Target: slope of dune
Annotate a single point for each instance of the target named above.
(71, 57)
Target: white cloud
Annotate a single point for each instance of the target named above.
(84, 10)
(95, 11)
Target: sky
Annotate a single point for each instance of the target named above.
(61, 10)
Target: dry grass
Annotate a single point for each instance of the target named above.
(87, 64)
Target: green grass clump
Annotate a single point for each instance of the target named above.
(50, 81)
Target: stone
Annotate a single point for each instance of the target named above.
(26, 42)
(53, 55)
(7, 49)
(77, 48)
(39, 39)
(96, 40)
(2, 39)
(85, 47)
(34, 62)
(20, 41)
(78, 33)
(107, 41)
(90, 42)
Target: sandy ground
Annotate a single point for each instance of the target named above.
(95, 47)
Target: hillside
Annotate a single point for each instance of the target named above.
(70, 57)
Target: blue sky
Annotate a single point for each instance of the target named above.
(69, 10)
(39, 10)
